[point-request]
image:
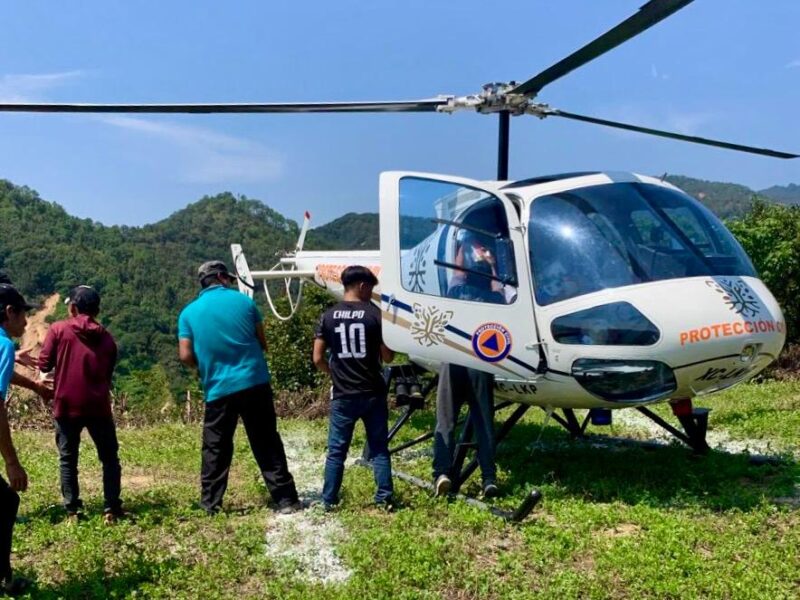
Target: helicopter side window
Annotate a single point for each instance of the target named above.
(454, 242)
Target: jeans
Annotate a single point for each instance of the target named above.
(457, 385)
(104, 436)
(372, 410)
(9, 503)
(254, 405)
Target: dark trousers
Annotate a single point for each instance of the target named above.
(68, 439)
(254, 405)
(345, 412)
(9, 503)
(457, 385)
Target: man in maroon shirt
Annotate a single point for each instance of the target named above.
(83, 355)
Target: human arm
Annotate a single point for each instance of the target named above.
(261, 337)
(387, 354)
(17, 477)
(319, 356)
(26, 382)
(47, 355)
(185, 342)
(186, 353)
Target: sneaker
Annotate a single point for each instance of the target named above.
(441, 486)
(15, 586)
(386, 505)
(73, 518)
(322, 506)
(490, 490)
(287, 506)
(112, 516)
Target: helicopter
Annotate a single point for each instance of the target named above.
(610, 290)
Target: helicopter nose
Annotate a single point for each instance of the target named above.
(735, 330)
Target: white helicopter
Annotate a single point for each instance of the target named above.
(605, 290)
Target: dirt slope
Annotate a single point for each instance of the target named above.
(33, 338)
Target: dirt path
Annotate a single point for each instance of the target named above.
(33, 338)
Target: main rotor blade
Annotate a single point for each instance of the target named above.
(668, 134)
(648, 15)
(427, 105)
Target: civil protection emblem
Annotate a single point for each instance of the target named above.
(491, 342)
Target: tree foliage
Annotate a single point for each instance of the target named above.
(770, 234)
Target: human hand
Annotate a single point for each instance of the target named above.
(24, 358)
(17, 477)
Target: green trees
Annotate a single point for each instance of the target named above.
(770, 234)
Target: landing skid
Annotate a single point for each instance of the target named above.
(693, 420)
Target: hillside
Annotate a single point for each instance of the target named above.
(145, 274)
(353, 231)
(726, 200)
(784, 194)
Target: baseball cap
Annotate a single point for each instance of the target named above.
(9, 296)
(85, 298)
(213, 267)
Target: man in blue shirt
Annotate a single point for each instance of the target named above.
(221, 334)
(12, 324)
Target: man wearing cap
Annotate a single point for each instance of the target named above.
(221, 333)
(24, 358)
(12, 324)
(82, 354)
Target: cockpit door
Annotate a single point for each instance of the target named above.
(455, 284)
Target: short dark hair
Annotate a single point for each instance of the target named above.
(355, 274)
(86, 300)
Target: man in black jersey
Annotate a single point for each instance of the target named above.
(351, 330)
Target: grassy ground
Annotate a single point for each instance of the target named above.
(616, 521)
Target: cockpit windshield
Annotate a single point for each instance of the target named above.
(618, 234)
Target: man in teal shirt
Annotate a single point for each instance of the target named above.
(221, 333)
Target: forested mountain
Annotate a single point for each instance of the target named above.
(726, 200)
(783, 194)
(353, 231)
(145, 274)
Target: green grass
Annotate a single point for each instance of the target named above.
(615, 522)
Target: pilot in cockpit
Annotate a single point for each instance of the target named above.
(477, 282)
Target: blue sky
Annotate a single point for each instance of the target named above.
(728, 69)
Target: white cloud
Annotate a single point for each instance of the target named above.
(31, 87)
(207, 156)
(793, 64)
(655, 73)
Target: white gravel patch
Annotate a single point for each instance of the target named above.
(719, 440)
(306, 541)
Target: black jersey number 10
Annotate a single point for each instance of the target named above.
(353, 338)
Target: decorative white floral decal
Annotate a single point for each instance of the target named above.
(428, 328)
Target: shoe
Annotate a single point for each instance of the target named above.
(441, 486)
(287, 506)
(112, 516)
(15, 586)
(73, 518)
(321, 505)
(386, 505)
(490, 490)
